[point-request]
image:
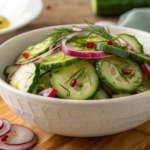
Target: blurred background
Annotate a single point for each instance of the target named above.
(60, 12)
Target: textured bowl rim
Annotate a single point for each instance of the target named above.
(55, 100)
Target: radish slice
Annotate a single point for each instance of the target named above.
(133, 49)
(146, 70)
(19, 135)
(82, 54)
(6, 128)
(4, 146)
(41, 56)
(12, 73)
(1, 124)
(49, 92)
(76, 29)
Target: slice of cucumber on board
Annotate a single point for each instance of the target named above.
(25, 78)
(43, 83)
(58, 59)
(9, 69)
(87, 81)
(133, 42)
(120, 95)
(35, 50)
(103, 46)
(101, 94)
(111, 74)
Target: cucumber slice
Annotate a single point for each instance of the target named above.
(111, 74)
(140, 57)
(101, 94)
(120, 95)
(35, 50)
(9, 69)
(25, 78)
(87, 81)
(43, 72)
(111, 49)
(44, 83)
(145, 85)
(58, 59)
(133, 42)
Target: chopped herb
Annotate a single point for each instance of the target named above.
(1, 22)
(89, 78)
(79, 72)
(68, 92)
(101, 31)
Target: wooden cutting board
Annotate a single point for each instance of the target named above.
(135, 139)
(72, 12)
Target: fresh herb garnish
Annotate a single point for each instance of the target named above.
(68, 92)
(101, 31)
(121, 67)
(1, 22)
(79, 73)
(58, 33)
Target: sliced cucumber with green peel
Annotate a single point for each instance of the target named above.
(133, 42)
(111, 72)
(35, 50)
(103, 46)
(43, 83)
(87, 81)
(145, 85)
(140, 57)
(101, 94)
(9, 69)
(120, 95)
(25, 78)
(43, 72)
(58, 59)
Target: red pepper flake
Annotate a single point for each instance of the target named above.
(134, 92)
(73, 82)
(127, 71)
(25, 55)
(89, 44)
(110, 42)
(48, 7)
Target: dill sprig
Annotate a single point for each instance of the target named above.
(68, 92)
(101, 31)
(81, 73)
(121, 67)
(79, 41)
(59, 32)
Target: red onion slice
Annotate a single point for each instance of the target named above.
(4, 146)
(1, 124)
(82, 54)
(41, 56)
(49, 92)
(146, 70)
(76, 29)
(12, 73)
(19, 135)
(6, 128)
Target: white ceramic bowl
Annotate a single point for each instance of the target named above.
(79, 118)
(19, 13)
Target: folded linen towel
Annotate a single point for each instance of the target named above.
(138, 18)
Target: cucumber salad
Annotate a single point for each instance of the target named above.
(82, 63)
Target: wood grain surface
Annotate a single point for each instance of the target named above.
(72, 12)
